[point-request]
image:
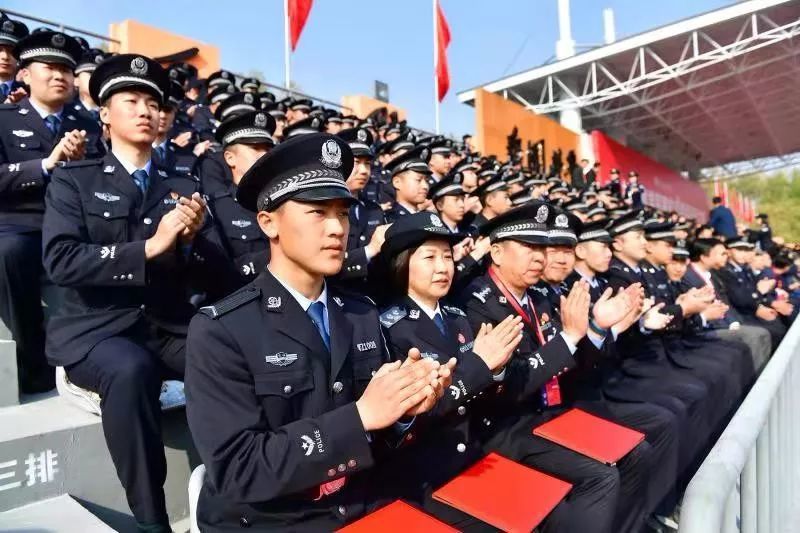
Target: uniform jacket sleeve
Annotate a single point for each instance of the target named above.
(247, 460)
(68, 256)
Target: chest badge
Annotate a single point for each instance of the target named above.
(107, 197)
(241, 223)
(22, 133)
(281, 359)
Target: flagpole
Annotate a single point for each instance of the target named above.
(435, 67)
(286, 46)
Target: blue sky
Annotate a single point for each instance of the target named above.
(347, 44)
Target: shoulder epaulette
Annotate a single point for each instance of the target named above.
(229, 303)
(454, 310)
(82, 163)
(392, 316)
(482, 293)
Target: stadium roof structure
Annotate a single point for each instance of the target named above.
(712, 94)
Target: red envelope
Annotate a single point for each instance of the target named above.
(504, 494)
(398, 517)
(590, 435)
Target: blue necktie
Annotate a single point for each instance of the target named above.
(439, 321)
(4, 90)
(52, 122)
(160, 152)
(141, 179)
(317, 314)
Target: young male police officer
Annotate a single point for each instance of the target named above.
(36, 135)
(287, 387)
(128, 242)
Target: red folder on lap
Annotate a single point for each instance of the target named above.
(504, 494)
(398, 517)
(590, 435)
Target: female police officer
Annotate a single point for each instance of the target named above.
(289, 397)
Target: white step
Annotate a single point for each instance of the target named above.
(49, 447)
(61, 513)
(9, 389)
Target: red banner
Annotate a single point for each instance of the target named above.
(298, 15)
(442, 42)
(664, 188)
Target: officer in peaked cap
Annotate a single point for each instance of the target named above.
(250, 85)
(634, 192)
(448, 197)
(440, 159)
(203, 121)
(221, 78)
(37, 133)
(303, 127)
(409, 173)
(266, 97)
(297, 109)
(11, 31)
(302, 432)
(244, 138)
(278, 111)
(129, 243)
(172, 148)
(83, 102)
(493, 195)
(236, 104)
(367, 221)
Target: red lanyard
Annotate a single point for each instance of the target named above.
(518, 308)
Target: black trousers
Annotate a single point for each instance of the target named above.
(592, 503)
(21, 305)
(127, 372)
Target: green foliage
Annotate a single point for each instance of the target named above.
(776, 194)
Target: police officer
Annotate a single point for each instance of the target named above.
(367, 222)
(409, 174)
(303, 389)
(764, 234)
(244, 139)
(11, 31)
(83, 102)
(174, 153)
(528, 394)
(493, 196)
(439, 161)
(36, 134)
(128, 242)
(634, 192)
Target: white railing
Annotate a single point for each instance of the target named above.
(749, 481)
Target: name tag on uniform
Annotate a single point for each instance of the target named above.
(107, 196)
(366, 346)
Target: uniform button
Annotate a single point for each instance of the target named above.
(130, 276)
(244, 522)
(363, 238)
(244, 237)
(287, 389)
(342, 510)
(331, 472)
(461, 447)
(462, 410)
(487, 422)
(337, 387)
(106, 214)
(409, 437)
(148, 221)
(116, 277)
(341, 467)
(352, 463)
(22, 145)
(500, 388)
(358, 267)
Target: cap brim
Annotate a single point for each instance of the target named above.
(392, 247)
(323, 194)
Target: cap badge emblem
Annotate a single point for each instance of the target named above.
(362, 136)
(541, 214)
(331, 154)
(8, 26)
(58, 40)
(260, 121)
(139, 66)
(562, 221)
(436, 222)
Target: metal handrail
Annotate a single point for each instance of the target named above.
(61, 27)
(744, 481)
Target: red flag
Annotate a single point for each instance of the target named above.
(442, 42)
(298, 15)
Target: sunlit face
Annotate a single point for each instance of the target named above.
(430, 270)
(51, 84)
(632, 245)
(296, 115)
(596, 255)
(659, 252)
(280, 125)
(440, 163)
(559, 262)
(676, 268)
(412, 187)
(451, 207)
(8, 65)
(470, 180)
(717, 256)
(498, 201)
(310, 235)
(360, 175)
(520, 264)
(240, 157)
(132, 117)
(82, 84)
(739, 256)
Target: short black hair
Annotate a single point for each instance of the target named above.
(701, 247)
(716, 200)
